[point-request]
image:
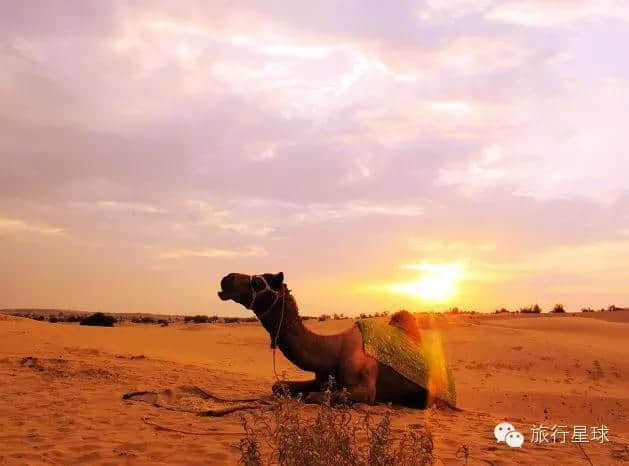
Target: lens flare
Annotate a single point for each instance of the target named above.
(438, 282)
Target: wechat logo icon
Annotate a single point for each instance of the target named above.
(505, 432)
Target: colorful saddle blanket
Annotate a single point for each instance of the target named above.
(422, 363)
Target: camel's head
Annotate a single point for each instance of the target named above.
(255, 292)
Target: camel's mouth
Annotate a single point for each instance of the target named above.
(226, 295)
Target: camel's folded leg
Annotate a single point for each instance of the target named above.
(294, 388)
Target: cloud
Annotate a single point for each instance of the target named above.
(251, 251)
(117, 206)
(224, 219)
(553, 13)
(317, 213)
(13, 226)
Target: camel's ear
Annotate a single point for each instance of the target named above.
(277, 280)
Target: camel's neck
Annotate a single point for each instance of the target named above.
(304, 348)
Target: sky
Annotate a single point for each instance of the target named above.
(383, 155)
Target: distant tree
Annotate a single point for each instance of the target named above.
(53, 319)
(558, 309)
(199, 319)
(587, 309)
(231, 320)
(99, 319)
(502, 310)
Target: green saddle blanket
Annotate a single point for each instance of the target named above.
(422, 363)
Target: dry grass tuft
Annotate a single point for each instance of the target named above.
(291, 434)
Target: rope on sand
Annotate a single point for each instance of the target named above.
(210, 431)
(247, 403)
(585, 454)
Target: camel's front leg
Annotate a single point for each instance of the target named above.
(294, 388)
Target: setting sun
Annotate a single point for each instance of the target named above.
(437, 283)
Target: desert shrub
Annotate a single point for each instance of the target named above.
(535, 309)
(250, 319)
(286, 434)
(53, 319)
(558, 309)
(324, 317)
(199, 319)
(587, 309)
(231, 320)
(73, 318)
(501, 311)
(99, 319)
(144, 320)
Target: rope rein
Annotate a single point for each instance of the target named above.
(277, 334)
(254, 295)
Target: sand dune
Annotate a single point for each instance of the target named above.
(61, 389)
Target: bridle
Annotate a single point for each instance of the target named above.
(254, 293)
(278, 295)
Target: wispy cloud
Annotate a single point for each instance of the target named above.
(552, 13)
(317, 213)
(252, 251)
(120, 206)
(10, 226)
(223, 219)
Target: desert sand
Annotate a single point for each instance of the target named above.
(61, 388)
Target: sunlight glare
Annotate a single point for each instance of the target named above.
(437, 283)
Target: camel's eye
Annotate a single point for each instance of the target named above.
(258, 283)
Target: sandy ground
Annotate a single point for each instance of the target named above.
(61, 388)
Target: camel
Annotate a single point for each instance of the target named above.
(341, 356)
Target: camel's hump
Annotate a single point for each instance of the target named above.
(406, 321)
